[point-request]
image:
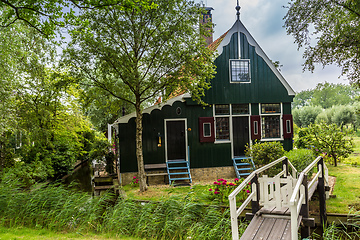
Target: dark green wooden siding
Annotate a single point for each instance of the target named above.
(265, 87)
(201, 154)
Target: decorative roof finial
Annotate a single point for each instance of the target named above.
(238, 10)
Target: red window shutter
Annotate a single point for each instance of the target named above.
(287, 126)
(255, 127)
(206, 129)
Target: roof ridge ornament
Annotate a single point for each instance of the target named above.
(238, 10)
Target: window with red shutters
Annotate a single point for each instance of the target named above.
(206, 129)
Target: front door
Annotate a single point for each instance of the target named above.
(240, 135)
(175, 139)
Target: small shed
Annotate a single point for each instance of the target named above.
(248, 100)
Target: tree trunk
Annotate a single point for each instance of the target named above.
(139, 150)
(335, 159)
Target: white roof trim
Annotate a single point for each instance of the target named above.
(239, 27)
(148, 110)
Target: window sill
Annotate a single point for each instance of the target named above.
(222, 141)
(271, 139)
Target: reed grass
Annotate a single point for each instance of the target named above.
(58, 208)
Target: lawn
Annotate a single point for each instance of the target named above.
(43, 234)
(347, 189)
(347, 186)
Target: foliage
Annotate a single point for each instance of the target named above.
(344, 115)
(300, 158)
(47, 16)
(102, 110)
(265, 152)
(137, 55)
(302, 99)
(59, 209)
(222, 188)
(327, 138)
(304, 116)
(335, 26)
(326, 95)
(339, 115)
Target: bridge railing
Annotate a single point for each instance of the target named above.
(300, 196)
(256, 187)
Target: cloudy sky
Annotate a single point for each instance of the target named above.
(264, 20)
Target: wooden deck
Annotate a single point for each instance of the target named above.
(269, 224)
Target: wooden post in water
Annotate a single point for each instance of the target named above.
(304, 211)
(285, 164)
(322, 193)
(255, 206)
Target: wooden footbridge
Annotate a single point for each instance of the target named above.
(280, 204)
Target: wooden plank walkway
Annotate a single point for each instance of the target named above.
(269, 224)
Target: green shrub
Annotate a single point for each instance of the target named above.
(300, 158)
(265, 152)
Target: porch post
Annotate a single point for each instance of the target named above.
(255, 206)
(322, 193)
(285, 165)
(304, 211)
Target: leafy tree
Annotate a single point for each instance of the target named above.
(47, 16)
(302, 99)
(102, 110)
(344, 115)
(335, 25)
(339, 115)
(327, 95)
(136, 55)
(303, 117)
(328, 139)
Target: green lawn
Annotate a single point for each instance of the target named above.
(347, 189)
(347, 186)
(43, 234)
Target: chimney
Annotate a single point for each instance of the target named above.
(207, 18)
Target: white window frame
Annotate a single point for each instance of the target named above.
(209, 124)
(272, 114)
(230, 116)
(186, 136)
(230, 71)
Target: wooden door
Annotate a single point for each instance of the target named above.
(176, 140)
(240, 135)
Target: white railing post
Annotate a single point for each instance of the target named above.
(234, 218)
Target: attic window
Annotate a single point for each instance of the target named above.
(240, 70)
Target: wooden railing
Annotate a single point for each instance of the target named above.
(263, 191)
(299, 201)
(283, 190)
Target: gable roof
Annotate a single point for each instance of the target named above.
(239, 27)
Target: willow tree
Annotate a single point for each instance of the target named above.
(136, 55)
(334, 26)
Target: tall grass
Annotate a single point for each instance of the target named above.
(57, 208)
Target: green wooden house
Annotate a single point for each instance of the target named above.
(249, 100)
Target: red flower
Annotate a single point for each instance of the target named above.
(247, 191)
(216, 192)
(134, 177)
(236, 179)
(210, 189)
